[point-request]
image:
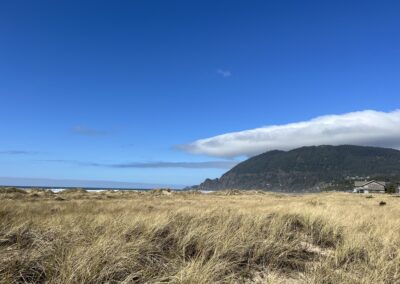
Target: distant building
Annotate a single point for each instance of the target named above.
(369, 186)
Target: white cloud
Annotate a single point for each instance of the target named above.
(224, 73)
(368, 128)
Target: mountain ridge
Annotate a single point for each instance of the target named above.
(310, 168)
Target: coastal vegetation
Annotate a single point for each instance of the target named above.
(191, 237)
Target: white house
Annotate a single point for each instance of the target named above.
(369, 186)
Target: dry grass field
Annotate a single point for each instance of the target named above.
(224, 237)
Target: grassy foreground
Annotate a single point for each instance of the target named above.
(226, 237)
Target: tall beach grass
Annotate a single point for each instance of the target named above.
(131, 237)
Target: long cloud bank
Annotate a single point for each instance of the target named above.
(154, 165)
(366, 128)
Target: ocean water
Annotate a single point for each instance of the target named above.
(89, 189)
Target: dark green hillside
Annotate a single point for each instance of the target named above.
(310, 168)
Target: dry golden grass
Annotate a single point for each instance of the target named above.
(225, 237)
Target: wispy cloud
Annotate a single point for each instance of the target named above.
(18, 152)
(87, 131)
(368, 128)
(188, 165)
(224, 73)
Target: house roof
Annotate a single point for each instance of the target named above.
(365, 182)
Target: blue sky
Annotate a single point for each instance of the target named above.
(124, 91)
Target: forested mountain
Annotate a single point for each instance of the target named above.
(310, 169)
